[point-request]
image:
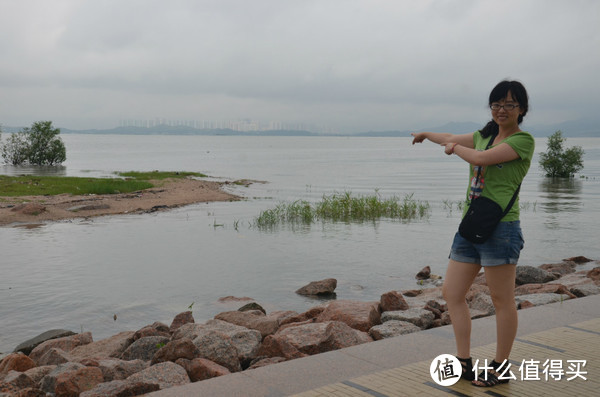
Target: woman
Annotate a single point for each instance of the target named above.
(503, 167)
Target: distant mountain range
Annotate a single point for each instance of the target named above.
(574, 128)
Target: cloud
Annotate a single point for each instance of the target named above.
(349, 65)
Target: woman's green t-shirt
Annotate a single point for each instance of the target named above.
(501, 180)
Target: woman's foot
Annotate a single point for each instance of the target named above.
(491, 377)
(467, 368)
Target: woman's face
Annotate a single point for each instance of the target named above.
(502, 113)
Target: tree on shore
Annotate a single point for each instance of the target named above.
(38, 145)
(558, 162)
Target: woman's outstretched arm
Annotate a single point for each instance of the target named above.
(443, 138)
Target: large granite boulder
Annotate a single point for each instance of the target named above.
(392, 328)
(358, 315)
(144, 348)
(200, 369)
(420, 317)
(533, 275)
(66, 343)
(219, 348)
(30, 344)
(322, 287)
(315, 338)
(391, 301)
(165, 374)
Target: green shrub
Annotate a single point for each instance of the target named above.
(38, 145)
(558, 162)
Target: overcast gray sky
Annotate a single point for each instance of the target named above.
(345, 65)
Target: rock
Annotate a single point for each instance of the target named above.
(116, 369)
(437, 313)
(66, 343)
(480, 279)
(424, 273)
(246, 341)
(27, 346)
(113, 346)
(200, 369)
(18, 379)
(155, 329)
(484, 304)
(71, 384)
(578, 259)
(573, 279)
(165, 374)
(218, 347)
(412, 292)
(227, 299)
(252, 306)
(392, 300)
(358, 315)
(144, 348)
(48, 382)
(322, 337)
(322, 287)
(174, 350)
(392, 328)
(121, 388)
(29, 209)
(37, 374)
(420, 317)
(585, 290)
(15, 362)
(310, 314)
(276, 346)
(559, 269)
(533, 275)
(266, 325)
(181, 319)
(264, 361)
(527, 289)
(54, 356)
(525, 305)
(88, 207)
(541, 299)
(594, 274)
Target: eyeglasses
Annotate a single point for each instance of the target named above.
(508, 106)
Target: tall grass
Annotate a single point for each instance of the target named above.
(344, 207)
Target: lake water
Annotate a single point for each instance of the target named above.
(145, 268)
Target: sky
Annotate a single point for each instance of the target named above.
(337, 65)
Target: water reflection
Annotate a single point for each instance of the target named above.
(561, 195)
(38, 170)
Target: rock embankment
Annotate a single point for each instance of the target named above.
(160, 356)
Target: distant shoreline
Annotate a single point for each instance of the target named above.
(570, 129)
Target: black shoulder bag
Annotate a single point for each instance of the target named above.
(483, 214)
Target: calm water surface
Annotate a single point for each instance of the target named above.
(147, 268)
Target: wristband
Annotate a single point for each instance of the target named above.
(453, 146)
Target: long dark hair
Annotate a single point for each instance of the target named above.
(500, 91)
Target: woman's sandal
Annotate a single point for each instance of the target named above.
(489, 378)
(467, 368)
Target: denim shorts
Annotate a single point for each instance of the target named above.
(503, 247)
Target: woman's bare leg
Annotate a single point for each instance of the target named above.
(501, 281)
(459, 278)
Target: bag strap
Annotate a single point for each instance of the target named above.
(514, 197)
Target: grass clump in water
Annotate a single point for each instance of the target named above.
(346, 208)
